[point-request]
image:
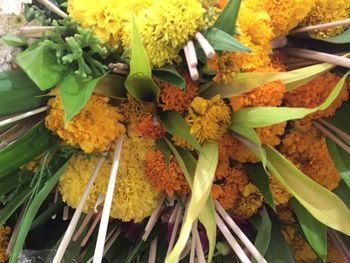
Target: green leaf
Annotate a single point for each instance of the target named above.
(222, 41)
(228, 17)
(343, 191)
(139, 82)
(202, 183)
(255, 117)
(19, 199)
(175, 124)
(260, 178)
(169, 75)
(13, 180)
(18, 93)
(45, 216)
(111, 85)
(40, 64)
(245, 82)
(32, 209)
(315, 232)
(324, 205)
(263, 227)
(278, 250)
(341, 160)
(14, 41)
(75, 92)
(342, 38)
(162, 146)
(34, 142)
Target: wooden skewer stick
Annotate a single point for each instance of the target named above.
(192, 54)
(108, 203)
(72, 225)
(15, 231)
(343, 22)
(94, 224)
(193, 243)
(34, 31)
(174, 232)
(199, 248)
(341, 134)
(239, 233)
(153, 251)
(54, 201)
(52, 8)
(65, 213)
(84, 224)
(153, 218)
(22, 116)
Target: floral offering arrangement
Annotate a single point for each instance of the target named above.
(174, 131)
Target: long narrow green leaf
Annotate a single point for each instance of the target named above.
(13, 180)
(175, 124)
(202, 183)
(41, 65)
(112, 85)
(207, 215)
(341, 160)
(18, 93)
(169, 75)
(343, 191)
(32, 210)
(255, 117)
(139, 82)
(19, 199)
(228, 17)
(342, 38)
(245, 82)
(45, 216)
(75, 92)
(324, 205)
(30, 145)
(315, 232)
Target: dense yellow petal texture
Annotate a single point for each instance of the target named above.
(93, 128)
(165, 26)
(4, 240)
(134, 196)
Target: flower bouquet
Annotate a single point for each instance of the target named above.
(174, 131)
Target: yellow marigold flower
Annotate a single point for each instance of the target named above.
(308, 150)
(314, 93)
(285, 14)
(134, 197)
(93, 128)
(246, 206)
(327, 11)
(279, 192)
(208, 119)
(174, 98)
(4, 240)
(170, 179)
(135, 112)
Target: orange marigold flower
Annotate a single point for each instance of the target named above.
(270, 94)
(271, 134)
(93, 128)
(163, 178)
(208, 119)
(151, 127)
(308, 150)
(182, 142)
(314, 93)
(4, 240)
(175, 98)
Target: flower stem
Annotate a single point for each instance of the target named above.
(34, 31)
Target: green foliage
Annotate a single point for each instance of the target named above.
(14, 41)
(169, 75)
(315, 232)
(18, 93)
(228, 17)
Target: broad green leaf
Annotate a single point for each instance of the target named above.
(260, 178)
(169, 75)
(315, 232)
(255, 117)
(175, 124)
(162, 146)
(111, 85)
(342, 38)
(245, 82)
(278, 250)
(75, 93)
(343, 191)
(139, 82)
(341, 160)
(263, 227)
(205, 211)
(221, 41)
(338, 118)
(228, 17)
(14, 41)
(32, 210)
(13, 180)
(46, 215)
(41, 65)
(18, 93)
(34, 142)
(324, 205)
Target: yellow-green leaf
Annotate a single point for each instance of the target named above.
(139, 82)
(255, 117)
(324, 205)
(202, 184)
